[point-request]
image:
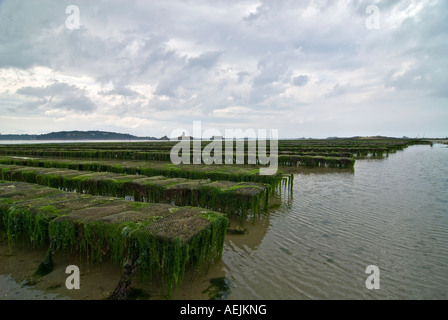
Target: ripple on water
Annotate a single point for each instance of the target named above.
(387, 213)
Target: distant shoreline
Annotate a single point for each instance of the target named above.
(77, 135)
(71, 141)
(104, 136)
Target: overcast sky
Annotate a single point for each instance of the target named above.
(312, 68)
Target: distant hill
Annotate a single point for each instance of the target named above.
(75, 135)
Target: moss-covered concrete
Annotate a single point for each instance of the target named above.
(160, 239)
(237, 173)
(224, 196)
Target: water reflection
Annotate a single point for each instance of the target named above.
(388, 213)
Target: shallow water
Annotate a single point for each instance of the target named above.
(392, 213)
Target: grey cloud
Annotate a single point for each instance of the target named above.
(337, 90)
(261, 94)
(169, 84)
(300, 80)
(191, 76)
(58, 95)
(252, 56)
(57, 88)
(242, 75)
(121, 91)
(75, 103)
(261, 11)
(30, 105)
(423, 43)
(205, 61)
(271, 68)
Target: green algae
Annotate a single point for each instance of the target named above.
(47, 265)
(169, 170)
(316, 161)
(161, 239)
(225, 196)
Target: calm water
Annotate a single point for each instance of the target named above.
(392, 213)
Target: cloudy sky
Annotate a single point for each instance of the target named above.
(311, 68)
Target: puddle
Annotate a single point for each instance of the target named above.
(219, 288)
(11, 290)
